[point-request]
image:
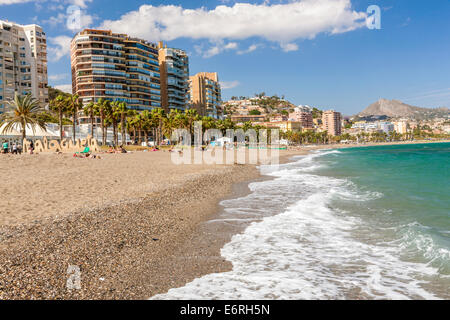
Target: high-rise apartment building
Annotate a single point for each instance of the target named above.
(205, 94)
(305, 118)
(23, 62)
(332, 122)
(115, 67)
(174, 69)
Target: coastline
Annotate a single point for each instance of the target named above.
(129, 249)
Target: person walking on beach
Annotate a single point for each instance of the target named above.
(5, 147)
(14, 148)
(31, 147)
(19, 149)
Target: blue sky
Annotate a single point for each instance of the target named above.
(315, 52)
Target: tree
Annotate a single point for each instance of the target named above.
(101, 109)
(59, 105)
(73, 105)
(191, 117)
(255, 112)
(24, 112)
(158, 115)
(114, 118)
(89, 110)
(123, 117)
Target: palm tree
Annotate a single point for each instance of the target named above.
(131, 123)
(89, 110)
(73, 105)
(114, 116)
(25, 111)
(146, 123)
(191, 117)
(158, 115)
(101, 108)
(138, 122)
(60, 106)
(123, 117)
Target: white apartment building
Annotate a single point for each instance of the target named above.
(401, 127)
(23, 62)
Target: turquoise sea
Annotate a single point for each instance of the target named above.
(356, 223)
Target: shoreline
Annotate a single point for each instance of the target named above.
(133, 249)
(126, 249)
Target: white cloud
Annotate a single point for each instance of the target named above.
(216, 48)
(282, 23)
(287, 47)
(251, 48)
(229, 84)
(80, 3)
(61, 47)
(65, 88)
(6, 2)
(58, 77)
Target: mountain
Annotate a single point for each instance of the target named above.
(398, 109)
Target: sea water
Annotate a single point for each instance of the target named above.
(357, 223)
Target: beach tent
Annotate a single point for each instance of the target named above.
(16, 131)
(10, 133)
(225, 140)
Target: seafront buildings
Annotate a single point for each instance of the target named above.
(205, 94)
(174, 69)
(379, 126)
(115, 67)
(303, 116)
(23, 62)
(332, 122)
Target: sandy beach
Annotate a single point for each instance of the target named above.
(132, 223)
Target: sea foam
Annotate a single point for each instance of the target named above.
(308, 250)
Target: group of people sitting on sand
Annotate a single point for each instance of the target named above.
(86, 153)
(120, 149)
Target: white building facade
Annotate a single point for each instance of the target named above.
(23, 62)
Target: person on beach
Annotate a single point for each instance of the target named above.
(14, 148)
(19, 149)
(5, 147)
(31, 147)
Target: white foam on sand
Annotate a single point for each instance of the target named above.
(307, 251)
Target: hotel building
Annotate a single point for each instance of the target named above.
(205, 94)
(305, 118)
(401, 127)
(115, 67)
(23, 62)
(174, 69)
(332, 122)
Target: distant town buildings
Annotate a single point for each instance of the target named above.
(378, 126)
(238, 118)
(174, 69)
(401, 127)
(205, 94)
(23, 62)
(283, 125)
(304, 116)
(332, 122)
